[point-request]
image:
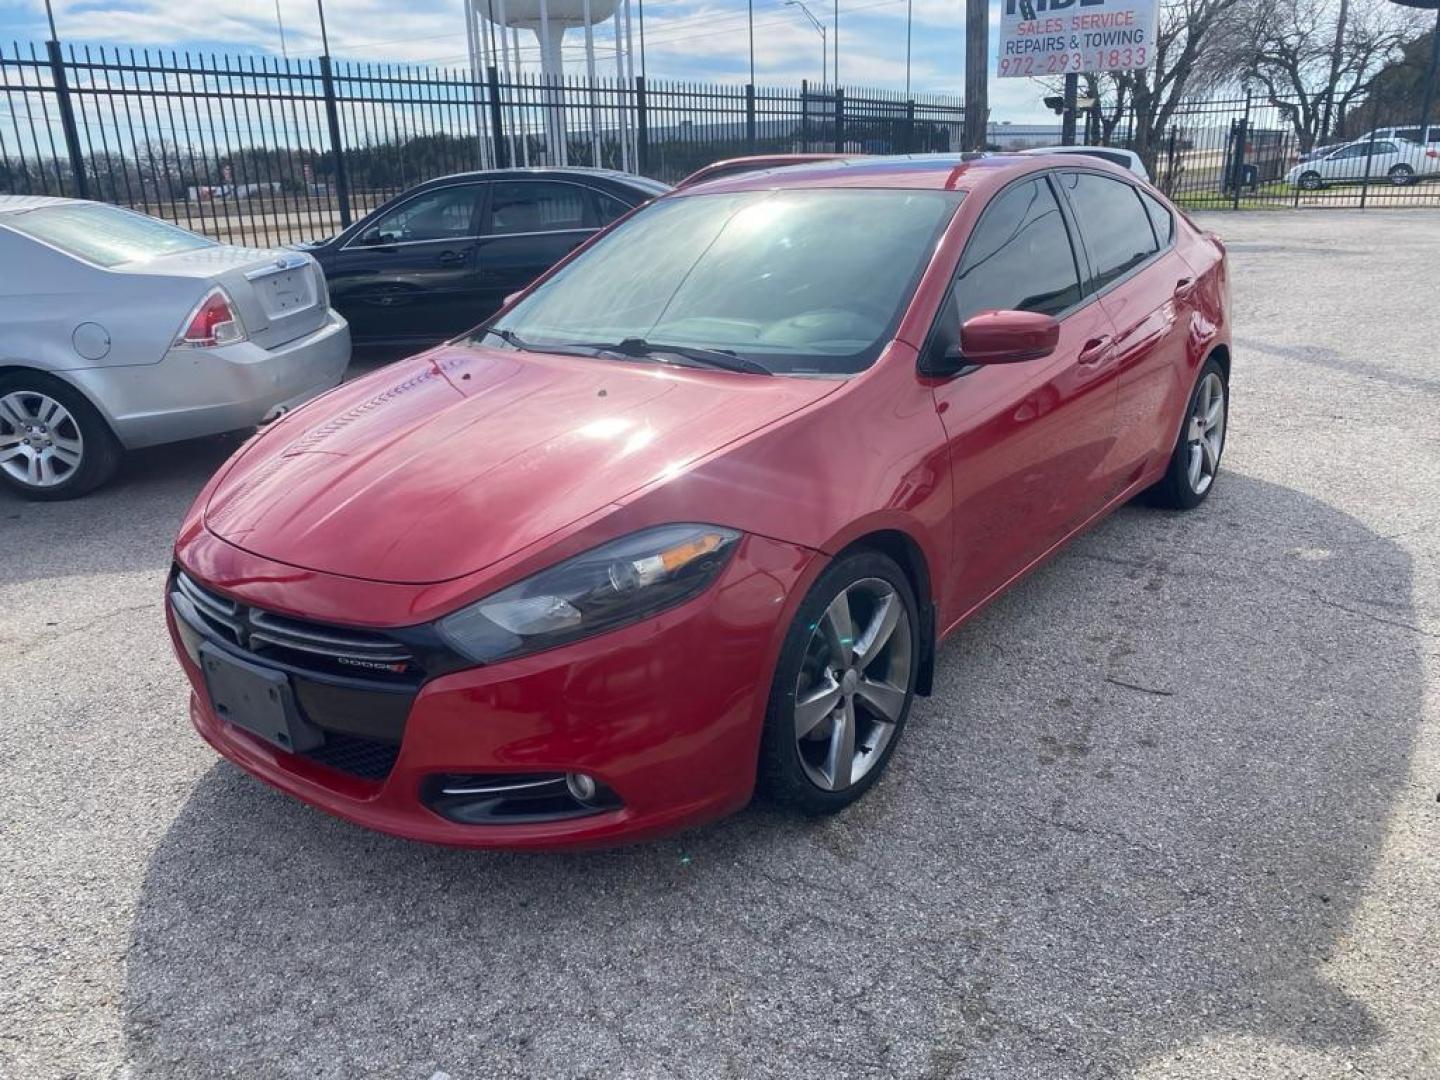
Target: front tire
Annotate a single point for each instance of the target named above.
(1310, 181)
(843, 686)
(1195, 461)
(53, 443)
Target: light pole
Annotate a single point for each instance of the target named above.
(835, 54)
(909, 21)
(824, 47)
(751, 8)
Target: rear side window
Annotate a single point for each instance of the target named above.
(530, 206)
(1019, 257)
(607, 207)
(443, 214)
(1113, 222)
(104, 235)
(1159, 217)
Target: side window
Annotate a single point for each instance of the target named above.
(1356, 151)
(445, 214)
(1413, 134)
(528, 206)
(1113, 222)
(607, 207)
(1382, 147)
(1159, 217)
(1019, 257)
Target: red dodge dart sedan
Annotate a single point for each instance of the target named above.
(691, 514)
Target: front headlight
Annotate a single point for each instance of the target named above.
(607, 587)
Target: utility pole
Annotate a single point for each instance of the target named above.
(1067, 118)
(977, 72)
(836, 54)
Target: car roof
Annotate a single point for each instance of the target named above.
(942, 172)
(755, 162)
(574, 172)
(17, 204)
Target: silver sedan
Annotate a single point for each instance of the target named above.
(119, 331)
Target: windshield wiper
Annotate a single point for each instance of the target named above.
(724, 359)
(508, 336)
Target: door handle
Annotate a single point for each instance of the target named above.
(1096, 350)
(451, 257)
(1184, 288)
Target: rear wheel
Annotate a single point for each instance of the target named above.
(1310, 181)
(1195, 461)
(843, 686)
(53, 442)
(1401, 175)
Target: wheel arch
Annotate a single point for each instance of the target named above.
(1221, 355)
(908, 554)
(13, 367)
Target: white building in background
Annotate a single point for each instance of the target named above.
(533, 95)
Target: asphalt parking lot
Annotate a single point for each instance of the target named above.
(1171, 812)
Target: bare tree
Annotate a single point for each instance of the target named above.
(1181, 67)
(1314, 58)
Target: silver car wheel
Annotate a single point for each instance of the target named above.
(1206, 433)
(853, 685)
(40, 443)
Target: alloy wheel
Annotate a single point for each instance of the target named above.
(853, 684)
(1206, 433)
(40, 443)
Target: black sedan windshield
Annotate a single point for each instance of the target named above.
(802, 281)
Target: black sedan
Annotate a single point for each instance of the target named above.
(443, 256)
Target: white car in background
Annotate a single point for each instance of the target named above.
(119, 331)
(1395, 161)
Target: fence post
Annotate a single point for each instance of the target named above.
(642, 128)
(332, 117)
(804, 115)
(839, 120)
(750, 118)
(497, 121)
(67, 118)
(910, 127)
(1242, 135)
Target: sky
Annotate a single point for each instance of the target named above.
(690, 40)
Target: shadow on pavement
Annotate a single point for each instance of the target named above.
(1137, 813)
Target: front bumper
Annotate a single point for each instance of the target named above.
(197, 392)
(665, 713)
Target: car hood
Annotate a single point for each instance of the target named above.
(438, 466)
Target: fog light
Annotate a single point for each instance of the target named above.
(581, 785)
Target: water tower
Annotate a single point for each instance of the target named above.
(494, 38)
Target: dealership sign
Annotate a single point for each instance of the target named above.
(1065, 37)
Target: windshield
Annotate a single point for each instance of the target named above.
(104, 235)
(800, 281)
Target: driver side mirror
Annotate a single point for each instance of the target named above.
(1008, 337)
(992, 337)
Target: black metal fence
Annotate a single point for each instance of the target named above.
(1259, 152)
(255, 149)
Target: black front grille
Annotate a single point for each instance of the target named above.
(306, 645)
(355, 685)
